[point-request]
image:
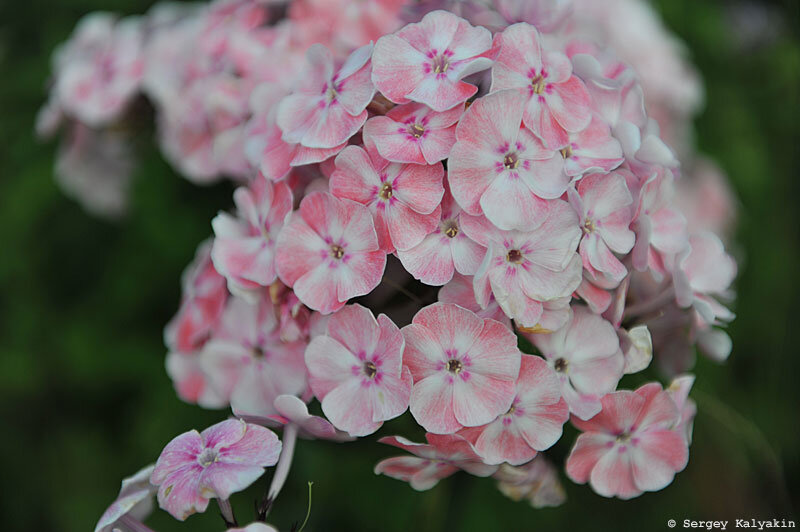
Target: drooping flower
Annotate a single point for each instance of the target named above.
(500, 169)
(247, 363)
(442, 456)
(464, 368)
(223, 459)
(533, 423)
(327, 107)
(603, 203)
(537, 481)
(523, 270)
(629, 447)
(328, 252)
(244, 246)
(445, 250)
(403, 198)
(413, 133)
(557, 101)
(356, 370)
(133, 504)
(426, 62)
(293, 411)
(586, 356)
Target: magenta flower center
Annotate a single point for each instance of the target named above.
(566, 152)
(207, 457)
(337, 251)
(370, 370)
(454, 366)
(537, 84)
(560, 365)
(450, 229)
(386, 191)
(511, 161)
(416, 130)
(515, 256)
(258, 352)
(440, 64)
(624, 438)
(588, 226)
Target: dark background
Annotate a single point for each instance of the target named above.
(85, 400)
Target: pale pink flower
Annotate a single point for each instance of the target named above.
(426, 62)
(445, 250)
(500, 169)
(223, 459)
(190, 381)
(537, 481)
(328, 252)
(629, 447)
(603, 203)
(442, 456)
(464, 368)
(586, 356)
(413, 133)
(592, 149)
(247, 363)
(100, 69)
(293, 411)
(133, 504)
(679, 390)
(244, 246)
(461, 292)
(525, 269)
(557, 101)
(403, 198)
(327, 107)
(533, 423)
(546, 15)
(660, 228)
(356, 370)
(294, 318)
(202, 301)
(705, 197)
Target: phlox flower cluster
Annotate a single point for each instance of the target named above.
(463, 213)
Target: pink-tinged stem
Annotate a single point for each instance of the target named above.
(284, 462)
(226, 510)
(133, 524)
(653, 304)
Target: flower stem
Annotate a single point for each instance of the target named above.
(133, 524)
(226, 510)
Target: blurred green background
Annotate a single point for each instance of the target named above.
(85, 400)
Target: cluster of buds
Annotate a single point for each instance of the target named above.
(500, 150)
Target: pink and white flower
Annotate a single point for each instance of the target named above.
(445, 250)
(327, 107)
(244, 246)
(413, 133)
(247, 363)
(586, 356)
(460, 291)
(533, 423)
(442, 456)
(629, 447)
(426, 62)
(592, 149)
(132, 505)
(293, 411)
(356, 370)
(523, 270)
(499, 168)
(464, 368)
(328, 252)
(603, 203)
(537, 481)
(403, 198)
(557, 101)
(223, 459)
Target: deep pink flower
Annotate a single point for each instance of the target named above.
(203, 298)
(464, 368)
(586, 357)
(403, 198)
(327, 107)
(244, 246)
(557, 101)
(629, 447)
(445, 250)
(603, 203)
(425, 62)
(413, 133)
(533, 423)
(525, 269)
(356, 370)
(134, 502)
(328, 252)
(442, 456)
(223, 459)
(247, 363)
(500, 169)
